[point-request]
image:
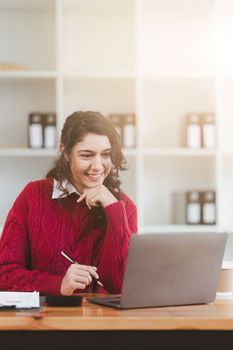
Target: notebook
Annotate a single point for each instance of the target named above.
(170, 269)
(20, 300)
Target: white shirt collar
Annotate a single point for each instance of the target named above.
(58, 193)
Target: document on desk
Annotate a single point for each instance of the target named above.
(21, 300)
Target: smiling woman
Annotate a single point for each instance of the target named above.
(90, 161)
(80, 209)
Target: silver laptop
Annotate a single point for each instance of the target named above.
(170, 269)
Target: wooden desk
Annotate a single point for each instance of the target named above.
(96, 327)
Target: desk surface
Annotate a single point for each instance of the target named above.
(216, 316)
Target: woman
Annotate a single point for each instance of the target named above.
(79, 209)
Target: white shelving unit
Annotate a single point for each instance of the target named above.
(160, 59)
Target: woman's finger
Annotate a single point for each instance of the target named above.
(89, 269)
(83, 279)
(76, 285)
(81, 197)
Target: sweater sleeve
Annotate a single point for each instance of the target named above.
(15, 273)
(121, 224)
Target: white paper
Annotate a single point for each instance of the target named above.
(22, 300)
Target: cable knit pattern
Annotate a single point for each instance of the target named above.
(38, 228)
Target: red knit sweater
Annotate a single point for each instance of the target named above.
(38, 228)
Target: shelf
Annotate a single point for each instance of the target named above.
(27, 152)
(159, 152)
(154, 58)
(179, 152)
(134, 74)
(101, 74)
(177, 75)
(98, 75)
(179, 228)
(27, 74)
(18, 152)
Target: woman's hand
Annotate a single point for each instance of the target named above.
(97, 196)
(77, 277)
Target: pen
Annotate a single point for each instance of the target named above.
(75, 262)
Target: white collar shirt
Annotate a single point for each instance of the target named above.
(58, 193)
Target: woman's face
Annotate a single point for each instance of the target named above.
(90, 161)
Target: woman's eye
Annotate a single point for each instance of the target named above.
(106, 155)
(85, 156)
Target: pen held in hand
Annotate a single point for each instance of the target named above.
(75, 262)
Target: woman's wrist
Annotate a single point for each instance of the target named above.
(109, 202)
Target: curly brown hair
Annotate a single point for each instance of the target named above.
(76, 127)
